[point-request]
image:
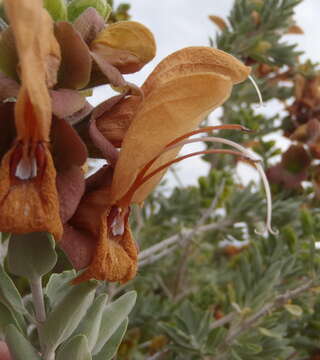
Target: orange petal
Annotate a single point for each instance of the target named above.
(179, 93)
(29, 204)
(28, 195)
(37, 48)
(114, 123)
(196, 59)
(115, 259)
(39, 57)
(172, 109)
(222, 25)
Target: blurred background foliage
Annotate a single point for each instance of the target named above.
(219, 290)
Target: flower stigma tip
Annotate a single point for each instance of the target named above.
(257, 90)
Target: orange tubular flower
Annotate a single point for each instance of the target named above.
(182, 90)
(28, 195)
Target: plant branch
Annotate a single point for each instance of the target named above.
(246, 324)
(149, 256)
(279, 301)
(187, 241)
(224, 320)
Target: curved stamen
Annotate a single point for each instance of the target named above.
(257, 165)
(257, 90)
(207, 129)
(269, 201)
(203, 152)
(242, 152)
(144, 170)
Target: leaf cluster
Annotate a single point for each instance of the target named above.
(79, 321)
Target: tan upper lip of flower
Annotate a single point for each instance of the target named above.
(179, 93)
(27, 177)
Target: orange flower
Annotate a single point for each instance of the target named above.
(28, 195)
(182, 90)
(41, 180)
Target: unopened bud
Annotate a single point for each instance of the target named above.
(77, 7)
(127, 45)
(57, 9)
(262, 47)
(290, 237)
(307, 221)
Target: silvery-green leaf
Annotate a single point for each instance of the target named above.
(58, 286)
(75, 349)
(66, 316)
(2, 11)
(56, 8)
(111, 347)
(7, 317)
(31, 255)
(113, 316)
(4, 236)
(294, 310)
(9, 295)
(269, 333)
(77, 7)
(90, 324)
(19, 346)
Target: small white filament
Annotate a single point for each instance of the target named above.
(117, 225)
(26, 169)
(257, 164)
(269, 201)
(257, 90)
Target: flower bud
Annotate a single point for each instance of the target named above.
(56, 8)
(262, 47)
(127, 45)
(77, 7)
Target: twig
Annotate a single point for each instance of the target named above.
(158, 355)
(224, 320)
(187, 240)
(164, 287)
(176, 176)
(278, 302)
(293, 356)
(152, 258)
(178, 238)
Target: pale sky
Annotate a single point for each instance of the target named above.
(180, 23)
